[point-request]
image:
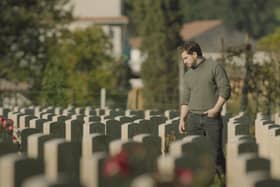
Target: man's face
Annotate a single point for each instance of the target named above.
(189, 60)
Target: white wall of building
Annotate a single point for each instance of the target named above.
(100, 9)
(97, 8)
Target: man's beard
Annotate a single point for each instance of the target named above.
(193, 66)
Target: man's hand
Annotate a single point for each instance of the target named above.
(214, 112)
(183, 115)
(211, 113)
(181, 126)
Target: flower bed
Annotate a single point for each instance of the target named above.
(7, 131)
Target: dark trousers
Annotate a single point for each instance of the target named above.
(211, 128)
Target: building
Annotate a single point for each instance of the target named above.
(213, 36)
(107, 14)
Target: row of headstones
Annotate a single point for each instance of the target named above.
(22, 116)
(94, 115)
(55, 161)
(189, 154)
(33, 150)
(88, 111)
(165, 128)
(267, 134)
(245, 166)
(56, 157)
(74, 127)
(87, 115)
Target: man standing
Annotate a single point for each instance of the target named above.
(206, 89)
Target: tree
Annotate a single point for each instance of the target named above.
(261, 80)
(246, 52)
(255, 17)
(271, 45)
(80, 65)
(158, 24)
(212, 9)
(270, 42)
(28, 29)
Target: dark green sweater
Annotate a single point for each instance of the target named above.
(203, 85)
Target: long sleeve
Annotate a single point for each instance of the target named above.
(186, 92)
(222, 81)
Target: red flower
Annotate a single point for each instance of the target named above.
(1, 119)
(10, 128)
(111, 168)
(185, 176)
(4, 122)
(117, 164)
(122, 159)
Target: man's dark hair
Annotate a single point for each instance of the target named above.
(190, 47)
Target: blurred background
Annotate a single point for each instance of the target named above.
(63, 52)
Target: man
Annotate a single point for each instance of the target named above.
(206, 89)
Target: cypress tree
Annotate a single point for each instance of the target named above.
(158, 23)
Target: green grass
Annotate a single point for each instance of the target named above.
(217, 182)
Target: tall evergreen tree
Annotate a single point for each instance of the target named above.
(158, 23)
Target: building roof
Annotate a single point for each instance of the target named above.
(188, 31)
(105, 20)
(195, 28)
